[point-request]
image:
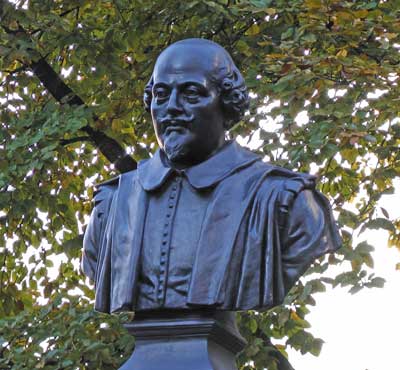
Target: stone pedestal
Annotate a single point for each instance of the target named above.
(203, 341)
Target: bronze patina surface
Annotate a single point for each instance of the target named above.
(204, 224)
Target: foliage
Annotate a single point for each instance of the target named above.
(325, 61)
(66, 336)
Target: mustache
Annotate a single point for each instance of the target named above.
(176, 121)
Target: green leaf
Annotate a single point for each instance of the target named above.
(376, 282)
(381, 223)
(253, 325)
(288, 52)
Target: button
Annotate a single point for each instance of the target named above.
(172, 196)
(168, 215)
(164, 242)
(170, 205)
(174, 187)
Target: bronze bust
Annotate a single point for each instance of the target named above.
(204, 224)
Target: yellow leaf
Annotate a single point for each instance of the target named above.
(294, 316)
(264, 43)
(126, 130)
(253, 30)
(116, 125)
(275, 56)
(344, 16)
(282, 349)
(342, 53)
(361, 13)
(313, 4)
(355, 264)
(391, 35)
(13, 24)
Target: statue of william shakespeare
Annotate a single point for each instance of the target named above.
(205, 224)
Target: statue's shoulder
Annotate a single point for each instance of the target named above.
(290, 180)
(105, 190)
(287, 183)
(293, 185)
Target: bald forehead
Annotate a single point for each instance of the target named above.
(201, 57)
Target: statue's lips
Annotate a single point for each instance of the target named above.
(172, 128)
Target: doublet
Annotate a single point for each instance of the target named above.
(231, 233)
(167, 253)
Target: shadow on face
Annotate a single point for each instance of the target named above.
(186, 108)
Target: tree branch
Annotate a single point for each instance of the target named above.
(52, 82)
(283, 363)
(75, 140)
(109, 147)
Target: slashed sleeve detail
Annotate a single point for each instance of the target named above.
(307, 230)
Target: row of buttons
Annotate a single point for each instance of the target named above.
(165, 243)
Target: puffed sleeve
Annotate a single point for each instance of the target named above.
(308, 232)
(93, 238)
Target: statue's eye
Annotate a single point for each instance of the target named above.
(160, 93)
(192, 93)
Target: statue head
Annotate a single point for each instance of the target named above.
(195, 94)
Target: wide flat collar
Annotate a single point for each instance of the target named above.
(154, 172)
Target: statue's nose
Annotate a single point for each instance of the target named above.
(174, 105)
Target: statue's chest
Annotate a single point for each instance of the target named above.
(173, 224)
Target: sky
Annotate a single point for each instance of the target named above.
(360, 331)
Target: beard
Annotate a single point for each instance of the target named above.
(177, 147)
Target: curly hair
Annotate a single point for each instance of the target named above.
(231, 85)
(234, 97)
